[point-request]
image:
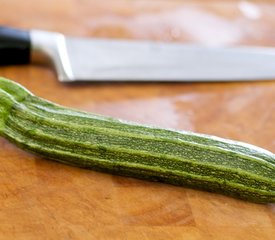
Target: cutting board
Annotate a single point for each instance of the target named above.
(41, 199)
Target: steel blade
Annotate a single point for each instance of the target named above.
(84, 59)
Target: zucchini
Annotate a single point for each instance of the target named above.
(115, 146)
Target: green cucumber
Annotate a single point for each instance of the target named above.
(115, 146)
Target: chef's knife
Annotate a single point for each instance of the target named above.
(92, 59)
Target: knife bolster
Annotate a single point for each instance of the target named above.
(49, 48)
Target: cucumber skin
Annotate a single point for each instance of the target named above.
(105, 144)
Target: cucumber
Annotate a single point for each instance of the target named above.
(115, 146)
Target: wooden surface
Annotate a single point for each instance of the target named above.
(40, 199)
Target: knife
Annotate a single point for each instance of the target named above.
(95, 59)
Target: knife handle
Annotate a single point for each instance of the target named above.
(15, 46)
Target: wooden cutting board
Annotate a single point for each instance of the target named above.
(40, 199)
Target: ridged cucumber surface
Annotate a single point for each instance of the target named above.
(105, 144)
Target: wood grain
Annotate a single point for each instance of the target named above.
(40, 199)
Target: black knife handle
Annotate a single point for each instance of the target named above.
(15, 46)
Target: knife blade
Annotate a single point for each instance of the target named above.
(94, 59)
